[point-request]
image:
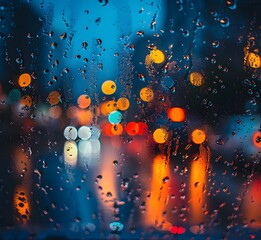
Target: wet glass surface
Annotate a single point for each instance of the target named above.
(130, 119)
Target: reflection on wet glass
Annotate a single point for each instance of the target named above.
(130, 119)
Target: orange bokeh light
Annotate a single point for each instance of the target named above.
(257, 139)
(198, 136)
(117, 129)
(26, 100)
(54, 97)
(177, 114)
(84, 101)
(84, 117)
(108, 107)
(24, 80)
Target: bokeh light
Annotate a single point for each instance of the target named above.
(84, 117)
(84, 133)
(123, 104)
(26, 100)
(254, 60)
(70, 153)
(54, 97)
(115, 117)
(155, 56)
(160, 135)
(143, 128)
(117, 129)
(132, 128)
(84, 101)
(198, 136)
(257, 139)
(24, 80)
(70, 133)
(55, 112)
(108, 87)
(177, 114)
(146, 94)
(196, 79)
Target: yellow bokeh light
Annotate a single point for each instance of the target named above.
(155, 56)
(196, 79)
(108, 87)
(123, 104)
(160, 135)
(254, 60)
(198, 136)
(146, 94)
(24, 80)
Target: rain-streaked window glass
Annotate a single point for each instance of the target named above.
(130, 119)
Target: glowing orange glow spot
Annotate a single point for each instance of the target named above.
(132, 128)
(123, 104)
(21, 204)
(159, 193)
(84, 117)
(143, 128)
(107, 107)
(103, 110)
(24, 80)
(155, 56)
(251, 204)
(160, 135)
(257, 139)
(84, 101)
(21, 161)
(111, 106)
(108, 182)
(55, 112)
(198, 136)
(177, 114)
(106, 128)
(196, 79)
(197, 186)
(117, 129)
(71, 112)
(254, 60)
(54, 97)
(26, 100)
